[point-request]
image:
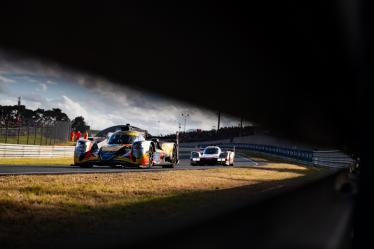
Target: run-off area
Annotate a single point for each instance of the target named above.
(37, 210)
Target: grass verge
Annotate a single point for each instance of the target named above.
(35, 208)
(37, 161)
(38, 140)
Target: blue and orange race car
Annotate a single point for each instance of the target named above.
(126, 148)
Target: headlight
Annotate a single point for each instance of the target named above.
(223, 155)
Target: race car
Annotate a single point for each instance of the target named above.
(126, 148)
(212, 155)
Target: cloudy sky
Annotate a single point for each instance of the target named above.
(47, 85)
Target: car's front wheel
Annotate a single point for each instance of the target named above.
(150, 156)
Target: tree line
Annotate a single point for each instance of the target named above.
(14, 115)
(21, 116)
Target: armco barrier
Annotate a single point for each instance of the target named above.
(335, 159)
(34, 151)
(332, 158)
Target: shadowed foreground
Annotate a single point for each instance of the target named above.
(65, 209)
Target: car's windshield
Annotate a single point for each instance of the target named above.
(121, 139)
(210, 151)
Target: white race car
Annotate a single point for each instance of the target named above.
(212, 155)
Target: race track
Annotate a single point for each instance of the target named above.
(184, 164)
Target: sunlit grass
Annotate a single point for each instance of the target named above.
(37, 161)
(48, 205)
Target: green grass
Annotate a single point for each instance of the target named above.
(23, 140)
(37, 161)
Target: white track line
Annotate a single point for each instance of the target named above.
(248, 159)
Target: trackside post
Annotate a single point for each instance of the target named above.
(177, 144)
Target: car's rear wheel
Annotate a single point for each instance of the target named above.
(150, 156)
(174, 159)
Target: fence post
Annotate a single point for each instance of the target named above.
(54, 134)
(28, 134)
(41, 135)
(50, 135)
(34, 135)
(45, 131)
(19, 129)
(46, 135)
(6, 132)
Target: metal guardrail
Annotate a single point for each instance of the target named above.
(333, 158)
(34, 151)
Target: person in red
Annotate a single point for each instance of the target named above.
(72, 135)
(77, 135)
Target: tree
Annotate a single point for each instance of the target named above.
(40, 116)
(79, 124)
(57, 114)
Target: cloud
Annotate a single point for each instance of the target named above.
(4, 79)
(51, 82)
(71, 108)
(3, 89)
(102, 103)
(43, 87)
(4, 101)
(33, 105)
(19, 65)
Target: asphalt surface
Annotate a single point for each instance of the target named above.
(184, 164)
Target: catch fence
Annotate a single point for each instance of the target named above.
(36, 135)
